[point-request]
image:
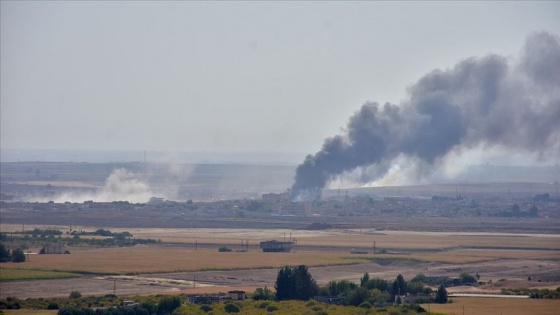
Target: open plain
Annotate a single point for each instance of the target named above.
(393, 233)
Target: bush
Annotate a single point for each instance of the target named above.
(231, 308)
(206, 308)
(224, 249)
(53, 306)
(263, 305)
(272, 308)
(365, 305)
(75, 295)
(263, 294)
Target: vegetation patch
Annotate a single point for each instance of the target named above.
(13, 274)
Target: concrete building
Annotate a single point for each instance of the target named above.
(276, 246)
(54, 248)
(236, 295)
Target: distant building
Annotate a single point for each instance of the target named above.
(294, 208)
(276, 246)
(236, 295)
(54, 248)
(281, 197)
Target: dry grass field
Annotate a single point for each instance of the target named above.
(15, 274)
(496, 306)
(463, 256)
(435, 240)
(348, 238)
(162, 259)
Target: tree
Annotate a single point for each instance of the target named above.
(342, 287)
(18, 255)
(533, 211)
(467, 278)
(168, 304)
(358, 296)
(306, 287)
(441, 295)
(75, 295)
(4, 254)
(295, 284)
(285, 285)
(263, 294)
(378, 283)
(399, 286)
(364, 280)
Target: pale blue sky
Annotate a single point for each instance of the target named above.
(229, 76)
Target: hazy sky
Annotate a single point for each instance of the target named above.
(229, 76)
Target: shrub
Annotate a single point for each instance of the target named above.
(365, 305)
(206, 308)
(263, 305)
(271, 308)
(224, 249)
(53, 306)
(75, 295)
(231, 308)
(263, 294)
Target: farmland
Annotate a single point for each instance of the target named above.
(384, 236)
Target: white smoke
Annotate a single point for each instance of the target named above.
(121, 185)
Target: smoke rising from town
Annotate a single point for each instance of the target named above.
(481, 103)
(121, 185)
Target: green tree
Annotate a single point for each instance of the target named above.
(295, 284)
(285, 284)
(399, 286)
(18, 255)
(263, 294)
(533, 211)
(358, 296)
(168, 304)
(364, 280)
(467, 278)
(75, 295)
(4, 254)
(306, 287)
(441, 295)
(378, 283)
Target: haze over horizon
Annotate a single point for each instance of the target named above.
(229, 77)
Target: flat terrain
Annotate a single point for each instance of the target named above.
(492, 306)
(507, 260)
(408, 237)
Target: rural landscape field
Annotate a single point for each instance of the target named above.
(188, 248)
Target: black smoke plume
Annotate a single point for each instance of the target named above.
(480, 101)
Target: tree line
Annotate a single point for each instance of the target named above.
(296, 283)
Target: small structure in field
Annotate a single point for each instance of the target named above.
(205, 298)
(54, 248)
(236, 295)
(276, 246)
